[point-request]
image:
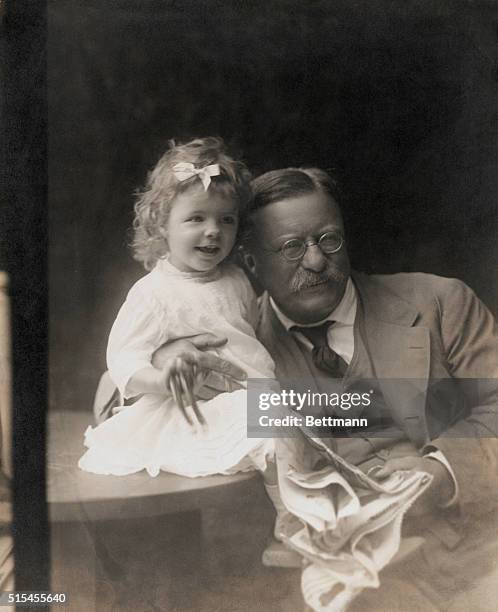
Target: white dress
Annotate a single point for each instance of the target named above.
(152, 433)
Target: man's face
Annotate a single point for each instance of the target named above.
(309, 289)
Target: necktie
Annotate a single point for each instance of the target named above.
(323, 356)
(327, 360)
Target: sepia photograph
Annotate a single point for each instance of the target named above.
(249, 289)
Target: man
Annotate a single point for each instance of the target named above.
(408, 326)
(429, 334)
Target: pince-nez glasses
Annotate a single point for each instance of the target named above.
(294, 249)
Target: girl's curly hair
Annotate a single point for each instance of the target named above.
(153, 203)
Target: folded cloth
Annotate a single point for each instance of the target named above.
(349, 525)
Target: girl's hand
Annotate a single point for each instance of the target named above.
(180, 377)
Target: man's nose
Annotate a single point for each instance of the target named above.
(314, 259)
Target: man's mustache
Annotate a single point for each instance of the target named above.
(304, 279)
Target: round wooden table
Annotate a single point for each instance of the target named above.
(99, 525)
(75, 495)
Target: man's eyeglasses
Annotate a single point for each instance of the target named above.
(294, 249)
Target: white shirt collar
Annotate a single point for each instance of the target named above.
(344, 312)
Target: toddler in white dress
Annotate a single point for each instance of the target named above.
(186, 224)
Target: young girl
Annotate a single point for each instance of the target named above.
(186, 225)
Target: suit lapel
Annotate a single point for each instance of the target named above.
(400, 354)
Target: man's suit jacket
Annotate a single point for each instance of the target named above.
(421, 329)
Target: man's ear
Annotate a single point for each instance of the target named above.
(248, 260)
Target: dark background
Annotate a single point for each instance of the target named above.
(23, 254)
(399, 98)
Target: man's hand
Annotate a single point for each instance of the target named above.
(179, 377)
(221, 375)
(440, 490)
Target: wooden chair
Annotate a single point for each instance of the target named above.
(6, 544)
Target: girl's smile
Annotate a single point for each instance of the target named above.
(201, 229)
(209, 249)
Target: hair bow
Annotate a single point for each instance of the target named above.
(185, 170)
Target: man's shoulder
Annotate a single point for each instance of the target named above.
(412, 286)
(419, 279)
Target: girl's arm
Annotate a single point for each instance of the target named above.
(148, 380)
(139, 329)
